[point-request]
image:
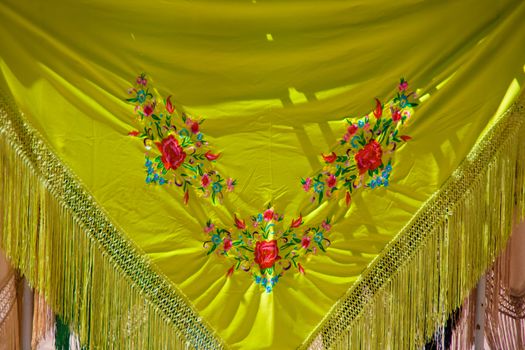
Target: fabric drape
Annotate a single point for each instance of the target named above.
(123, 259)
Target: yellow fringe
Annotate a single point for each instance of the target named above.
(97, 280)
(436, 260)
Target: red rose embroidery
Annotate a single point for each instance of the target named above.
(148, 110)
(331, 181)
(205, 181)
(268, 214)
(266, 254)
(227, 244)
(352, 129)
(396, 115)
(172, 153)
(195, 127)
(305, 242)
(369, 157)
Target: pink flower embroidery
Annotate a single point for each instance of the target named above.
(326, 226)
(331, 181)
(307, 184)
(209, 228)
(268, 215)
(205, 181)
(148, 110)
(230, 183)
(305, 242)
(141, 80)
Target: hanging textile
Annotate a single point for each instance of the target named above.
(259, 174)
(8, 307)
(502, 304)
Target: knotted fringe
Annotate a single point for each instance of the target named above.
(88, 272)
(430, 268)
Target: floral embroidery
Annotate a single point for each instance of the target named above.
(176, 150)
(265, 246)
(365, 156)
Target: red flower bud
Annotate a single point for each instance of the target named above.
(169, 105)
(348, 198)
(230, 272)
(210, 156)
(379, 109)
(330, 158)
(148, 110)
(195, 127)
(227, 244)
(352, 129)
(405, 138)
(305, 242)
(240, 224)
(331, 181)
(396, 115)
(268, 214)
(297, 222)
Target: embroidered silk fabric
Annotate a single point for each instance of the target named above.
(274, 81)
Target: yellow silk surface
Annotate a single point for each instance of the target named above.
(274, 81)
